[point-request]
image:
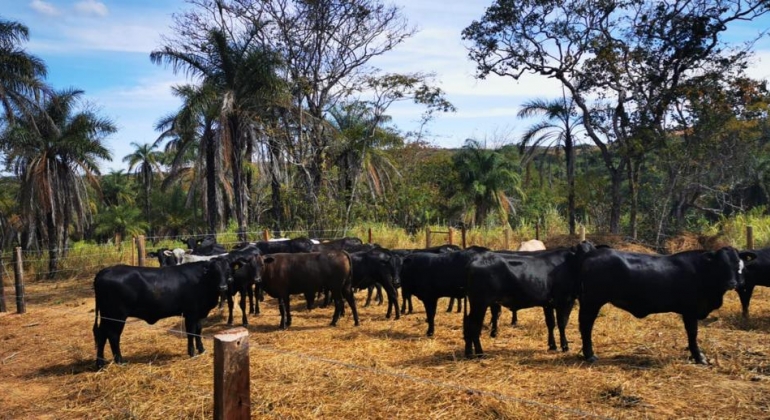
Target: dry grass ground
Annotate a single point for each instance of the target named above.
(385, 368)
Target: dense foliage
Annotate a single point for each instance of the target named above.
(658, 130)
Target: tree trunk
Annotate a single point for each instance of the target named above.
(53, 245)
(633, 187)
(275, 184)
(212, 205)
(569, 155)
(236, 162)
(616, 177)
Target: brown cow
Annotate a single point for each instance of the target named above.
(307, 273)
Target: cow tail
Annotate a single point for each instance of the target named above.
(349, 280)
(96, 320)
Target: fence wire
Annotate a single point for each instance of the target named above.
(317, 359)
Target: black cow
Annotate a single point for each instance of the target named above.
(284, 275)
(290, 246)
(690, 283)
(522, 280)
(205, 246)
(246, 273)
(166, 257)
(152, 294)
(757, 273)
(432, 276)
(378, 266)
(349, 244)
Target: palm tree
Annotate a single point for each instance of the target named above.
(243, 74)
(21, 74)
(362, 140)
(558, 128)
(485, 176)
(197, 153)
(145, 162)
(116, 189)
(54, 152)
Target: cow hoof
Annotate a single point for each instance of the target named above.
(229, 322)
(430, 334)
(565, 349)
(551, 348)
(701, 360)
(493, 333)
(592, 359)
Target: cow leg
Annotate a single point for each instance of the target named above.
(430, 310)
(495, 309)
(242, 304)
(282, 310)
(562, 318)
(550, 323)
(451, 304)
(472, 324)
(190, 329)
(514, 318)
(338, 306)
(287, 308)
(392, 300)
(379, 298)
(691, 326)
(369, 292)
(259, 297)
(250, 292)
(586, 317)
(348, 294)
(229, 309)
(745, 295)
(310, 299)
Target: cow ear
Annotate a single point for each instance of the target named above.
(747, 256)
(268, 260)
(168, 253)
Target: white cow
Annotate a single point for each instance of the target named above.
(532, 245)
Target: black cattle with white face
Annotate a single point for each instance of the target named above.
(547, 279)
(151, 294)
(690, 283)
(756, 273)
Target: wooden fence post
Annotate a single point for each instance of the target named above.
(451, 236)
(133, 246)
(427, 237)
(265, 235)
(537, 231)
(140, 254)
(18, 272)
(749, 237)
(3, 306)
(462, 233)
(582, 233)
(370, 235)
(506, 239)
(232, 397)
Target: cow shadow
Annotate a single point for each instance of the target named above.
(89, 365)
(388, 334)
(738, 322)
(438, 359)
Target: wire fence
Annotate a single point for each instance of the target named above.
(299, 356)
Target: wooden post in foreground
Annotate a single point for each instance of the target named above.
(265, 235)
(463, 235)
(232, 398)
(370, 235)
(451, 236)
(582, 233)
(140, 250)
(749, 237)
(18, 272)
(3, 306)
(427, 237)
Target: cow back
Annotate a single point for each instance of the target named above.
(293, 273)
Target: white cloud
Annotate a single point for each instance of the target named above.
(760, 65)
(91, 7)
(44, 8)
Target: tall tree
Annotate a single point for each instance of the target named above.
(21, 74)
(558, 128)
(145, 162)
(632, 55)
(54, 152)
(243, 73)
(486, 178)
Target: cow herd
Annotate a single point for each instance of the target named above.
(191, 282)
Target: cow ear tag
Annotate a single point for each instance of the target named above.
(236, 266)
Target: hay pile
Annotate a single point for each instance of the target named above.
(386, 368)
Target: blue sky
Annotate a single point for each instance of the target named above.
(103, 48)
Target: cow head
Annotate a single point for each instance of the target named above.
(726, 265)
(220, 274)
(389, 263)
